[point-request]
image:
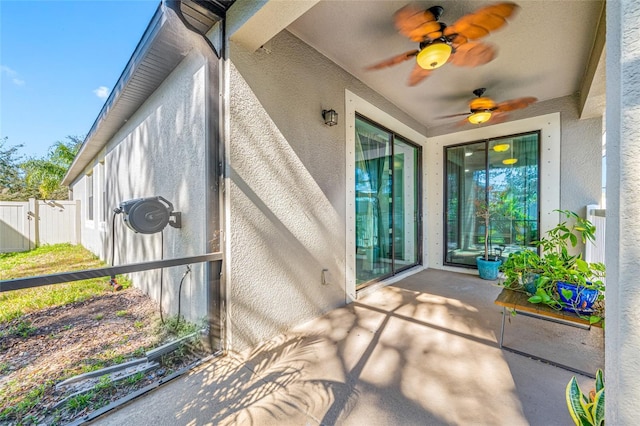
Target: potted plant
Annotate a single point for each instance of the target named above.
(488, 205)
(558, 279)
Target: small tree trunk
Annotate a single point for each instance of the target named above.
(486, 238)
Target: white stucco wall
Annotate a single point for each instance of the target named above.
(94, 233)
(287, 186)
(622, 342)
(159, 151)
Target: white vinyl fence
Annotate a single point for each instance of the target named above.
(594, 252)
(25, 225)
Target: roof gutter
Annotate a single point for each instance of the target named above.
(214, 153)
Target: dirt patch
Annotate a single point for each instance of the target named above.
(45, 347)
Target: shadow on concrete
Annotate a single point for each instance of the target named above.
(421, 352)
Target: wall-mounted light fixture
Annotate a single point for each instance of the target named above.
(330, 117)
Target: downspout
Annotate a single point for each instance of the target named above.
(214, 177)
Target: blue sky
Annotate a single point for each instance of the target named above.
(58, 62)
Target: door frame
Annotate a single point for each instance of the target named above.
(548, 175)
(356, 105)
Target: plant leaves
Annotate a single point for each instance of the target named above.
(567, 294)
(582, 266)
(597, 409)
(575, 403)
(535, 299)
(599, 380)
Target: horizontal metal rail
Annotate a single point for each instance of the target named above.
(65, 277)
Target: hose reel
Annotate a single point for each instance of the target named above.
(149, 215)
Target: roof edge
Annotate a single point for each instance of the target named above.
(149, 35)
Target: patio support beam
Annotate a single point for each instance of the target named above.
(593, 87)
(622, 370)
(252, 24)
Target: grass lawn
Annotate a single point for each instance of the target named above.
(51, 333)
(44, 260)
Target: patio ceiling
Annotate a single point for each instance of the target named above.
(550, 49)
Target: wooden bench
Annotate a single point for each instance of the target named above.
(516, 301)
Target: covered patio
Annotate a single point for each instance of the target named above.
(421, 351)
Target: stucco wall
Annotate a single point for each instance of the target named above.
(160, 151)
(94, 233)
(287, 194)
(622, 342)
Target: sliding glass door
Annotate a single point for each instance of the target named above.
(504, 173)
(387, 202)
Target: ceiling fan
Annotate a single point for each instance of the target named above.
(440, 43)
(483, 109)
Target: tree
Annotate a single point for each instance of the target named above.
(12, 183)
(46, 173)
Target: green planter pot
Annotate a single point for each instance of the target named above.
(488, 269)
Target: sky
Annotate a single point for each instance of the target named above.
(58, 62)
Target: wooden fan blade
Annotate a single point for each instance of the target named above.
(498, 117)
(415, 23)
(458, 40)
(480, 23)
(394, 61)
(515, 104)
(452, 115)
(472, 54)
(461, 123)
(505, 9)
(418, 74)
(471, 31)
(425, 31)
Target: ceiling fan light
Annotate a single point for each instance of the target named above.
(434, 56)
(509, 161)
(502, 147)
(479, 117)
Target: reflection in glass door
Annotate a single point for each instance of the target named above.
(387, 203)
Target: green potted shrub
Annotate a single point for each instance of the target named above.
(487, 205)
(560, 280)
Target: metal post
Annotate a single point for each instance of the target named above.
(504, 313)
(214, 308)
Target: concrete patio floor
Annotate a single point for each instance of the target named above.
(420, 352)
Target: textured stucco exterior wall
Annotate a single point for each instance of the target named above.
(622, 342)
(160, 151)
(580, 150)
(94, 233)
(287, 194)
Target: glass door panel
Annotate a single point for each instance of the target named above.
(387, 203)
(503, 172)
(373, 203)
(466, 173)
(405, 205)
